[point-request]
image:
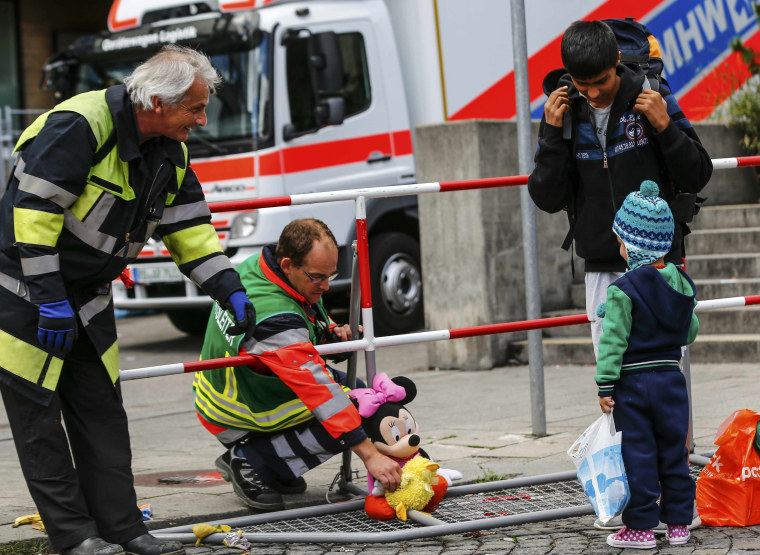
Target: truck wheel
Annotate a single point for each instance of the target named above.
(396, 283)
(191, 321)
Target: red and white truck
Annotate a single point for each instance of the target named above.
(322, 95)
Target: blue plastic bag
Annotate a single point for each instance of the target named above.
(601, 472)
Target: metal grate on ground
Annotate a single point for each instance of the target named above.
(464, 509)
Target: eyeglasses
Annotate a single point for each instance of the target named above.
(319, 278)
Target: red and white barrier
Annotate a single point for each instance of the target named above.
(729, 163)
(368, 344)
(374, 192)
(419, 188)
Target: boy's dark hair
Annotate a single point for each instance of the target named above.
(297, 239)
(588, 49)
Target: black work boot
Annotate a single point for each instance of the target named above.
(93, 546)
(247, 484)
(149, 545)
(293, 486)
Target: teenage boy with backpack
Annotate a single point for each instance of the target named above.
(622, 132)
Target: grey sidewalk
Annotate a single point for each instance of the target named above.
(476, 422)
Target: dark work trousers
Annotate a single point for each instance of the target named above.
(289, 454)
(652, 411)
(97, 498)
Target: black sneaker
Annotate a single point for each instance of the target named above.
(294, 486)
(247, 484)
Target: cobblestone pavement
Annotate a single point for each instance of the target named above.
(566, 536)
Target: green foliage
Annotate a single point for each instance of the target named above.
(488, 476)
(744, 112)
(31, 547)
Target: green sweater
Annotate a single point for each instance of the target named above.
(649, 316)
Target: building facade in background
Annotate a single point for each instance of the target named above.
(31, 32)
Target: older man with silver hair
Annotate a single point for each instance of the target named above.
(94, 179)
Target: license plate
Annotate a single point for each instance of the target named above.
(158, 273)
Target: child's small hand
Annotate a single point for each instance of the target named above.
(606, 403)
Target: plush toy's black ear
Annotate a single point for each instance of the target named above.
(408, 385)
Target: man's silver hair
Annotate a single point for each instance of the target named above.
(169, 74)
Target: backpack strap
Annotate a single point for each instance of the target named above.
(651, 82)
(569, 134)
(105, 148)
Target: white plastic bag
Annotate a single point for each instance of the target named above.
(601, 472)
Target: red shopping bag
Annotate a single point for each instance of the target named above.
(730, 483)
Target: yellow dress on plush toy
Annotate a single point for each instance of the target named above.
(415, 491)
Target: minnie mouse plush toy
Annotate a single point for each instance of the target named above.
(394, 432)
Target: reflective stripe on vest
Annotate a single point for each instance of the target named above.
(29, 362)
(110, 174)
(225, 410)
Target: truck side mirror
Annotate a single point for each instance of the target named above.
(330, 111)
(289, 132)
(325, 64)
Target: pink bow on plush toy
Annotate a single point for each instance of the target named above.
(383, 390)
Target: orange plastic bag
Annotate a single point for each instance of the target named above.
(730, 483)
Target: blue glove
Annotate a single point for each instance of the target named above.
(57, 326)
(245, 315)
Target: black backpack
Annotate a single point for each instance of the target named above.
(639, 49)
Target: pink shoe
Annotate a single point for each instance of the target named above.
(635, 539)
(677, 534)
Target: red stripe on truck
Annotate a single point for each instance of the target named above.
(402, 143)
(498, 101)
(306, 157)
(334, 153)
(119, 25)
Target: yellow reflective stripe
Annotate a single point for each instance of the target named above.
(86, 201)
(225, 401)
(53, 374)
(111, 361)
(180, 177)
(192, 243)
(227, 411)
(37, 227)
(27, 361)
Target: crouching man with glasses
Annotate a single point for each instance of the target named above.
(288, 411)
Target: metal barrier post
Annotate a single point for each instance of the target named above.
(345, 483)
(528, 212)
(362, 250)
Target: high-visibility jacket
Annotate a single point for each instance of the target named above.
(289, 383)
(84, 198)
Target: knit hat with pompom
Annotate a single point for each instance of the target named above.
(645, 225)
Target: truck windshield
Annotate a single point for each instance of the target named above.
(239, 114)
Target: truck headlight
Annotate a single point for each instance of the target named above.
(244, 224)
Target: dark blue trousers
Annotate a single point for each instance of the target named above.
(291, 453)
(652, 411)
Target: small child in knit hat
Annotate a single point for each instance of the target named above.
(644, 227)
(648, 316)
